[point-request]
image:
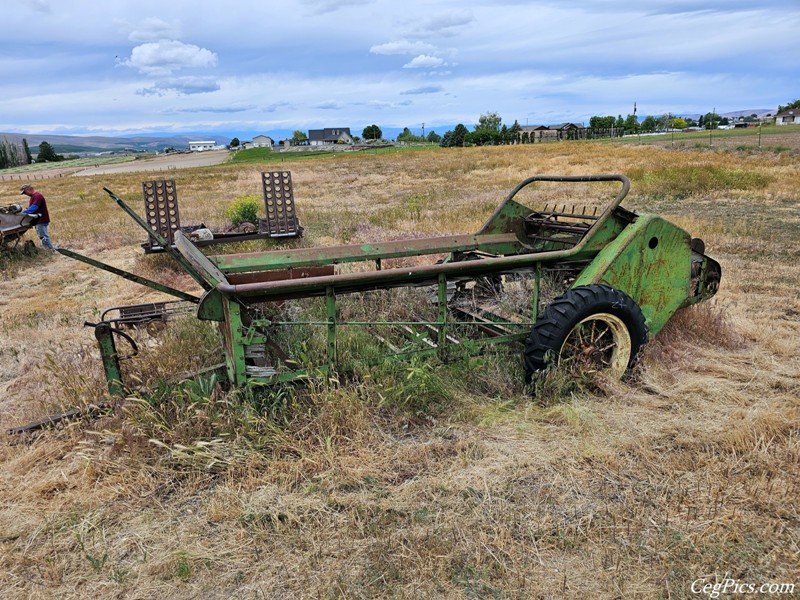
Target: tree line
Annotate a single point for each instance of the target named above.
(15, 155)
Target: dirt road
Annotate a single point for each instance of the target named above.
(166, 162)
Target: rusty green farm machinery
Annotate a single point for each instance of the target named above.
(618, 277)
(13, 225)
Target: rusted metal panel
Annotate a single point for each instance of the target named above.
(161, 209)
(290, 273)
(279, 204)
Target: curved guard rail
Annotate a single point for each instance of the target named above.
(407, 276)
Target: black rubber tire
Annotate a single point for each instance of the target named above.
(544, 346)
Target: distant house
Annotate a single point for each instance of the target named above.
(788, 117)
(330, 135)
(201, 146)
(533, 133)
(262, 141)
(530, 129)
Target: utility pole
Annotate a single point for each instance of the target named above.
(423, 130)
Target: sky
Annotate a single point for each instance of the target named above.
(248, 67)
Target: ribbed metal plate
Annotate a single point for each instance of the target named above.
(161, 208)
(279, 203)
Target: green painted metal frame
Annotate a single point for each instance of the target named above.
(642, 255)
(503, 235)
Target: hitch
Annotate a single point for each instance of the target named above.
(104, 333)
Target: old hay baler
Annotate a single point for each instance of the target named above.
(581, 288)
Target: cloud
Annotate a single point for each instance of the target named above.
(181, 86)
(425, 61)
(402, 47)
(213, 109)
(274, 107)
(233, 109)
(167, 56)
(42, 6)
(329, 105)
(729, 55)
(321, 7)
(153, 29)
(445, 24)
(428, 89)
(380, 105)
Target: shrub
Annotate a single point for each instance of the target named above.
(243, 208)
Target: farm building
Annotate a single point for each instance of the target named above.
(201, 146)
(788, 117)
(262, 141)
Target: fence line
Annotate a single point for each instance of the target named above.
(29, 176)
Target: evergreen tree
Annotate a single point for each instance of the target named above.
(27, 150)
(504, 135)
(459, 135)
(513, 132)
(47, 154)
(456, 137)
(11, 154)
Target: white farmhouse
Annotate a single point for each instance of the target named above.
(201, 146)
(788, 117)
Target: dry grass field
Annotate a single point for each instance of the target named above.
(417, 480)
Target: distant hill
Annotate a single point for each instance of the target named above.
(85, 144)
(759, 112)
(79, 144)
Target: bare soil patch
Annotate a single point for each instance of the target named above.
(166, 162)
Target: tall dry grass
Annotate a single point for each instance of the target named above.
(413, 479)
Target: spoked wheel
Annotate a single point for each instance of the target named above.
(599, 342)
(590, 329)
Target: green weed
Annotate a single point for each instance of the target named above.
(244, 208)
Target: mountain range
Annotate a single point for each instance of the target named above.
(81, 144)
(65, 144)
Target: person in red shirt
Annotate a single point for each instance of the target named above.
(38, 205)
